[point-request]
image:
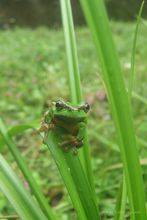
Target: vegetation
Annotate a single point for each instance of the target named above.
(34, 62)
(46, 12)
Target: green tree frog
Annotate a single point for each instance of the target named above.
(70, 120)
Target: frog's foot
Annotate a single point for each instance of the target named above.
(71, 142)
(44, 116)
(45, 127)
(75, 151)
(66, 149)
(65, 146)
(79, 143)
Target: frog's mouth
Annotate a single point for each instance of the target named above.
(70, 116)
(70, 119)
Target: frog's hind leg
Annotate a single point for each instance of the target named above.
(75, 151)
(67, 140)
(65, 145)
(66, 149)
(71, 142)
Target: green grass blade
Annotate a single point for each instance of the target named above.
(26, 172)
(140, 98)
(74, 80)
(74, 178)
(131, 78)
(96, 16)
(121, 201)
(17, 195)
(18, 129)
(71, 51)
(21, 128)
(121, 212)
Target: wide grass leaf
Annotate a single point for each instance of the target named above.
(24, 168)
(25, 206)
(97, 19)
(74, 178)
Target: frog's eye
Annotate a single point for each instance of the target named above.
(86, 107)
(59, 104)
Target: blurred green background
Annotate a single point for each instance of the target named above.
(47, 12)
(33, 70)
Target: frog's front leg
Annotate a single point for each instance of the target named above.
(46, 128)
(46, 125)
(49, 127)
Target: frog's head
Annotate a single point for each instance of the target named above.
(69, 112)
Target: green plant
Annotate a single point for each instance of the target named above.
(76, 171)
(74, 81)
(14, 191)
(120, 104)
(26, 172)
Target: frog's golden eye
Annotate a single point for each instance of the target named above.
(59, 104)
(86, 107)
